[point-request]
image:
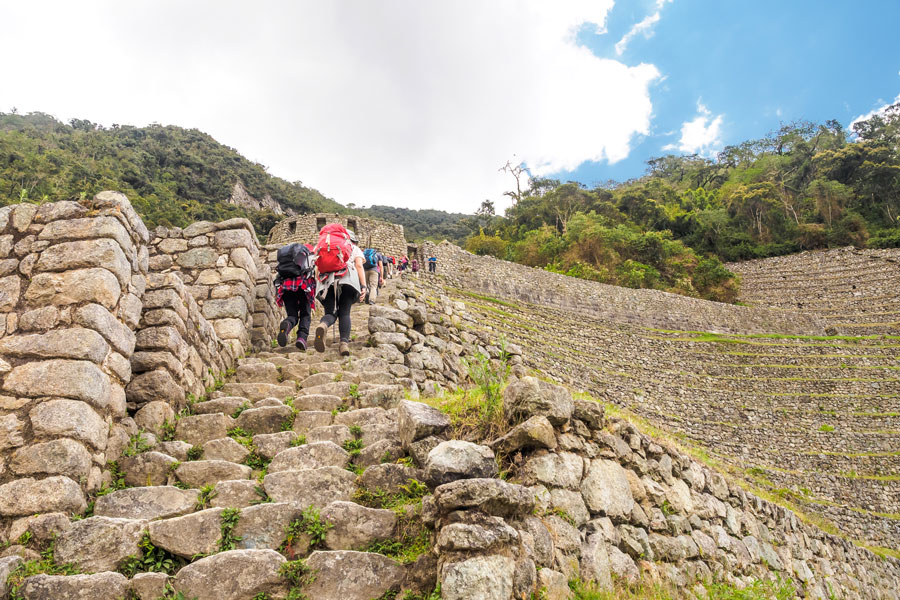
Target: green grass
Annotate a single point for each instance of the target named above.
(779, 589)
(778, 336)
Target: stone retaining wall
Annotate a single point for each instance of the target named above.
(591, 497)
(73, 278)
(650, 308)
(385, 237)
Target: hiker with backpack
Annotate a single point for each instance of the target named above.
(432, 264)
(341, 282)
(414, 265)
(295, 290)
(373, 269)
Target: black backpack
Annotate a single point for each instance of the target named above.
(294, 260)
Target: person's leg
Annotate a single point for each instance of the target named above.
(372, 284)
(290, 307)
(329, 304)
(348, 297)
(304, 317)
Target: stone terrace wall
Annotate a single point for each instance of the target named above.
(854, 291)
(72, 276)
(372, 233)
(649, 308)
(208, 303)
(592, 497)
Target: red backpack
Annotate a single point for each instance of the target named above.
(334, 248)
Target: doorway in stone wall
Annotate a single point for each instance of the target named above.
(411, 251)
(351, 225)
(292, 227)
(320, 223)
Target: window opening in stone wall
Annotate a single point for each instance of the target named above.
(292, 227)
(351, 224)
(411, 251)
(320, 223)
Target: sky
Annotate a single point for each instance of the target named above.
(419, 103)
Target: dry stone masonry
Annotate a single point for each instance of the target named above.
(372, 233)
(143, 414)
(855, 291)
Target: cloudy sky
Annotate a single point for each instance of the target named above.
(418, 103)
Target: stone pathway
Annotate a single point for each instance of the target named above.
(232, 480)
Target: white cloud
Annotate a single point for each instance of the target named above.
(645, 26)
(876, 111)
(701, 135)
(407, 103)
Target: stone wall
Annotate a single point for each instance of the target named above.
(589, 496)
(816, 418)
(208, 303)
(650, 308)
(854, 291)
(372, 233)
(73, 278)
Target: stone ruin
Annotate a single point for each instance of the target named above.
(143, 410)
(372, 233)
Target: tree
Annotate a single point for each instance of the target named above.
(518, 172)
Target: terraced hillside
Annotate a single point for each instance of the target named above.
(812, 419)
(854, 291)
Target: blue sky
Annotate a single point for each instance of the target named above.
(755, 64)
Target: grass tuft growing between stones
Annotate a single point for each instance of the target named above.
(230, 518)
(29, 568)
(254, 460)
(310, 523)
(411, 492)
(207, 493)
(298, 574)
(152, 560)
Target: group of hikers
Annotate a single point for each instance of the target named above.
(337, 272)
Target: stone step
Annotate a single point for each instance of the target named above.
(258, 391)
(200, 473)
(149, 503)
(225, 404)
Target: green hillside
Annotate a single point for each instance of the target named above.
(172, 175)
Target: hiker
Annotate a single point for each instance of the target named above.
(341, 278)
(414, 266)
(432, 264)
(372, 268)
(295, 291)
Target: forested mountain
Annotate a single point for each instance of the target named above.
(173, 176)
(803, 187)
(419, 225)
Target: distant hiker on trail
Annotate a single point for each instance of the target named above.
(414, 265)
(432, 264)
(295, 291)
(372, 268)
(340, 264)
(404, 263)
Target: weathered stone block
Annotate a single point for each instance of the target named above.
(416, 420)
(66, 378)
(317, 487)
(10, 289)
(53, 494)
(232, 575)
(75, 343)
(606, 490)
(346, 575)
(56, 457)
(479, 578)
(102, 253)
(153, 386)
(69, 418)
(119, 335)
(458, 459)
(155, 502)
(99, 543)
(74, 287)
(75, 587)
(187, 536)
(11, 432)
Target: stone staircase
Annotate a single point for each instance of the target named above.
(292, 457)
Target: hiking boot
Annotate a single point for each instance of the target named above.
(345, 348)
(301, 344)
(319, 342)
(283, 331)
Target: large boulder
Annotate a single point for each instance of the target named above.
(531, 396)
(417, 420)
(155, 502)
(232, 575)
(75, 587)
(355, 526)
(347, 575)
(458, 459)
(187, 536)
(492, 496)
(310, 456)
(316, 487)
(99, 543)
(29, 496)
(479, 578)
(265, 525)
(606, 490)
